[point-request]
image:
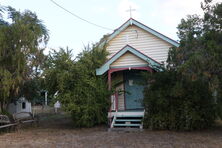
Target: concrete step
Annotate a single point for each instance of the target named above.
(128, 120)
(130, 116)
(134, 125)
(122, 129)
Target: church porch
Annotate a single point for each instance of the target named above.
(127, 102)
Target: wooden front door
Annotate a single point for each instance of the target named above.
(133, 90)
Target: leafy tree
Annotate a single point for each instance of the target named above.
(6, 83)
(81, 92)
(187, 95)
(22, 39)
(200, 51)
(58, 67)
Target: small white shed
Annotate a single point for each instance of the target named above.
(21, 105)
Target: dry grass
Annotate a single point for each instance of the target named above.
(56, 131)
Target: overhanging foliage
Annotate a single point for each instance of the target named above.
(187, 95)
(81, 92)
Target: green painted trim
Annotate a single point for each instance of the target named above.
(117, 31)
(104, 68)
(155, 33)
(144, 27)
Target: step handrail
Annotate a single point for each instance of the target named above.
(113, 122)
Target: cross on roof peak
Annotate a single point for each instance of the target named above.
(130, 11)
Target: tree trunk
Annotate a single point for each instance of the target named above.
(2, 106)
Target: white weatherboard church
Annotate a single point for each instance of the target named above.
(133, 47)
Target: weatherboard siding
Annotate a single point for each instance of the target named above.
(128, 59)
(117, 79)
(121, 104)
(141, 40)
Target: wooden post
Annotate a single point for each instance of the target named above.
(109, 80)
(116, 101)
(109, 88)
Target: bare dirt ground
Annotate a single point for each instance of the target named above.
(55, 131)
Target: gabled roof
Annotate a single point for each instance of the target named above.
(104, 68)
(131, 21)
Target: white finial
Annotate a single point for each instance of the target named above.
(130, 10)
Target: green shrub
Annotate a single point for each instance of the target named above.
(178, 104)
(87, 104)
(81, 92)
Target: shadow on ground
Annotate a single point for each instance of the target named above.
(52, 120)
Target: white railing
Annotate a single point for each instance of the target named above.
(113, 102)
(113, 121)
(113, 107)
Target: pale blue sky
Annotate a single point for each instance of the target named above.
(66, 30)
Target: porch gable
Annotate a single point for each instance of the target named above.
(150, 62)
(128, 59)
